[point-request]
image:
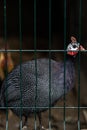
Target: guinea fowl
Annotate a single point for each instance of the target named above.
(19, 88)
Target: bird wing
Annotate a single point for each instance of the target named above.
(23, 79)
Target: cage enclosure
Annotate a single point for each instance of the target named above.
(34, 36)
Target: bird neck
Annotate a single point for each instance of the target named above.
(71, 58)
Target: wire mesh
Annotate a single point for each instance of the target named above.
(80, 13)
(35, 46)
(64, 63)
(20, 37)
(5, 38)
(35, 50)
(49, 64)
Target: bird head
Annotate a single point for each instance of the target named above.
(74, 47)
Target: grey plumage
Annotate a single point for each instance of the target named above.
(23, 84)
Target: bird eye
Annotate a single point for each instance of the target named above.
(74, 46)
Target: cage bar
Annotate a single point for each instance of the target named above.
(20, 37)
(5, 39)
(35, 58)
(64, 63)
(50, 8)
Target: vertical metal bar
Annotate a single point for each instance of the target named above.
(35, 125)
(80, 22)
(5, 39)
(50, 64)
(20, 37)
(80, 19)
(64, 63)
(5, 20)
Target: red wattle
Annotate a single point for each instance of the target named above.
(72, 53)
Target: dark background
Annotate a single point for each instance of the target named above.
(42, 18)
(75, 25)
(73, 20)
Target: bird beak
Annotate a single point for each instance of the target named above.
(82, 48)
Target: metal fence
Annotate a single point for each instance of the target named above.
(35, 50)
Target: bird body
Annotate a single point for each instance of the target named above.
(23, 85)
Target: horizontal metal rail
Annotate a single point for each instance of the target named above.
(53, 107)
(32, 50)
